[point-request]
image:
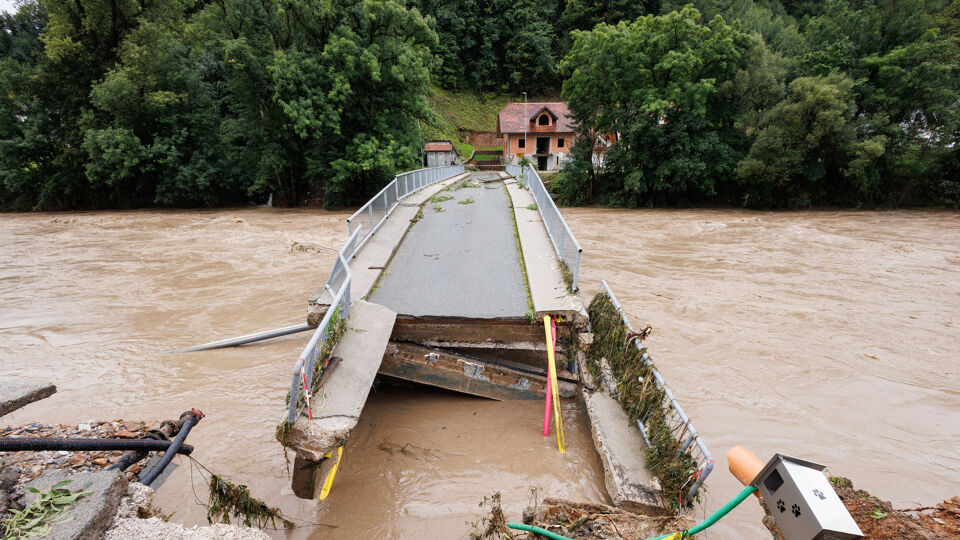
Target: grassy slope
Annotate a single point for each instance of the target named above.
(464, 111)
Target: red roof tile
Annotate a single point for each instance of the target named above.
(439, 146)
(511, 118)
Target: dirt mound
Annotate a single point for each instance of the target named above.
(879, 520)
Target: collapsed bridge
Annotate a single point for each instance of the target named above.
(445, 280)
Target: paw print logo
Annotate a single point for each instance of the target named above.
(819, 494)
(796, 510)
(781, 507)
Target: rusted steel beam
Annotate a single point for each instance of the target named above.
(443, 369)
(511, 333)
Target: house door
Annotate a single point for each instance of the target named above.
(543, 145)
(542, 163)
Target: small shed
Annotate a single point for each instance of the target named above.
(440, 154)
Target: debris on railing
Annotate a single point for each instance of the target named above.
(679, 465)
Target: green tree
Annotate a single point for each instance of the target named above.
(810, 149)
(662, 83)
(585, 14)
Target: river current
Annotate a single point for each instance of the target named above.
(830, 336)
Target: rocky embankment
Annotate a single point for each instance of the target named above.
(115, 508)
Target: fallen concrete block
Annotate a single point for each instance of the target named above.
(18, 394)
(92, 515)
(622, 452)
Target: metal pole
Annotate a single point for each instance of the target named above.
(525, 122)
(249, 338)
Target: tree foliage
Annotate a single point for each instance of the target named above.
(773, 103)
(844, 102)
(662, 84)
(155, 102)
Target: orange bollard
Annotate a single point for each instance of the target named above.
(744, 465)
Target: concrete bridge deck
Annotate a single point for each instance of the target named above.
(461, 259)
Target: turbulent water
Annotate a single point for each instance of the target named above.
(826, 335)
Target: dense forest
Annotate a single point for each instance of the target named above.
(130, 103)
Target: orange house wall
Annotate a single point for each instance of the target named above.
(512, 141)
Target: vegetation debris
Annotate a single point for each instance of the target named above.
(47, 511)
(228, 499)
(642, 398)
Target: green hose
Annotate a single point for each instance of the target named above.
(714, 517)
(538, 530)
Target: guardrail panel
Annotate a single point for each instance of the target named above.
(564, 243)
(679, 423)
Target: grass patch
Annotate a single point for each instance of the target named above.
(566, 274)
(462, 185)
(438, 198)
(531, 313)
(548, 177)
(532, 206)
(469, 111)
(437, 208)
(641, 397)
(418, 216)
(468, 200)
(485, 157)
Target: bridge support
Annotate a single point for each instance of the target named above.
(445, 369)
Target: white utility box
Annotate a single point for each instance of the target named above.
(803, 502)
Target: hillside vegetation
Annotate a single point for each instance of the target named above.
(761, 103)
(463, 112)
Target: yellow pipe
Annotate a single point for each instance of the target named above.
(554, 385)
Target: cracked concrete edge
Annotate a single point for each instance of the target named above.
(311, 440)
(545, 280)
(625, 493)
(18, 394)
(92, 515)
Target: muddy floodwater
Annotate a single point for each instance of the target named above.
(832, 336)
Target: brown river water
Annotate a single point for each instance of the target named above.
(826, 335)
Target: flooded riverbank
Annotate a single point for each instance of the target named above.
(828, 335)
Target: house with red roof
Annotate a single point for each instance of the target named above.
(440, 154)
(543, 132)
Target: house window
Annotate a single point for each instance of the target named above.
(559, 143)
(521, 143)
(544, 120)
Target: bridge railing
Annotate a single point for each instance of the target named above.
(338, 284)
(564, 243)
(680, 425)
(379, 208)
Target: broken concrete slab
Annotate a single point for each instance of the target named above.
(17, 394)
(607, 381)
(622, 452)
(586, 378)
(337, 405)
(544, 276)
(92, 515)
(449, 370)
